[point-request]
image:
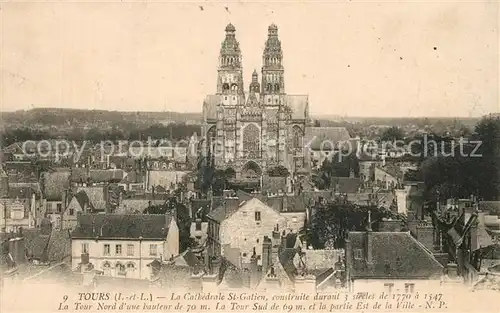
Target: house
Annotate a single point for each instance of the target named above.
(133, 181)
(241, 224)
(55, 185)
(19, 209)
(167, 178)
(14, 215)
(390, 175)
(21, 172)
(199, 209)
(79, 203)
(138, 202)
(123, 245)
(390, 260)
(85, 176)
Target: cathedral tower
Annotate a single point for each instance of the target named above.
(230, 72)
(273, 80)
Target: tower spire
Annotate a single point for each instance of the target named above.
(254, 85)
(272, 59)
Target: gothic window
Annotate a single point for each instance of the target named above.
(269, 87)
(251, 140)
(225, 86)
(234, 87)
(251, 171)
(277, 87)
(297, 137)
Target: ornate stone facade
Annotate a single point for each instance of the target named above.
(259, 129)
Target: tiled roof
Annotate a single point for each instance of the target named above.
(54, 184)
(393, 170)
(36, 244)
(96, 197)
(83, 199)
(133, 226)
(286, 258)
(187, 258)
(232, 205)
(325, 138)
(395, 254)
(174, 276)
(232, 277)
(107, 175)
(128, 206)
(346, 184)
(59, 246)
(82, 175)
(225, 210)
(274, 184)
(22, 192)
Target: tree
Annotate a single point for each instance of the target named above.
(392, 134)
(338, 166)
(331, 222)
(486, 161)
(182, 216)
(278, 171)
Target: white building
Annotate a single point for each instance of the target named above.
(123, 245)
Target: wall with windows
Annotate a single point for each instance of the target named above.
(69, 217)
(294, 221)
(119, 258)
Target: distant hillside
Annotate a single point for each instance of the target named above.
(71, 118)
(92, 118)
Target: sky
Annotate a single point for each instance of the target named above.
(353, 58)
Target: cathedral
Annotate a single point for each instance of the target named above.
(259, 129)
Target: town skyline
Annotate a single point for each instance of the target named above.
(426, 70)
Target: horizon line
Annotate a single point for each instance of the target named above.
(324, 115)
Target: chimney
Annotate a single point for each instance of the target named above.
(426, 235)
(276, 235)
(348, 259)
(272, 280)
(452, 270)
(254, 270)
(369, 239)
(266, 254)
(32, 215)
(17, 250)
(85, 258)
(305, 284)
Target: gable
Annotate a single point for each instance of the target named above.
(75, 205)
(252, 206)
